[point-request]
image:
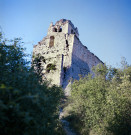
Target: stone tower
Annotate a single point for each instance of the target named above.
(64, 56)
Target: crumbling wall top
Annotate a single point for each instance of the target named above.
(63, 25)
(64, 21)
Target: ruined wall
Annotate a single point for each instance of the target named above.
(82, 59)
(58, 54)
(63, 49)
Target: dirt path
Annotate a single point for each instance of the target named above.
(65, 123)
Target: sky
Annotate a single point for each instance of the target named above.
(104, 25)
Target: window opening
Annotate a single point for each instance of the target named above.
(51, 41)
(67, 43)
(55, 30)
(72, 31)
(60, 30)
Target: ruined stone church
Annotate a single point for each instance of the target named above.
(64, 56)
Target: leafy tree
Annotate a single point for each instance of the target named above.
(101, 104)
(27, 104)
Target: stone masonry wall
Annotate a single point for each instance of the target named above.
(82, 59)
(63, 49)
(59, 54)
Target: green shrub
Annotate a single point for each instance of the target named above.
(28, 106)
(50, 67)
(101, 105)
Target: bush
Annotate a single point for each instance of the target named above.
(101, 105)
(50, 67)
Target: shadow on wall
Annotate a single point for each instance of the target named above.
(78, 69)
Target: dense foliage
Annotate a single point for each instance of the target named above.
(102, 104)
(27, 105)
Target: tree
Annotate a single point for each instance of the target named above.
(101, 104)
(27, 104)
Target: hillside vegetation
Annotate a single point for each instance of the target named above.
(101, 105)
(28, 106)
(98, 105)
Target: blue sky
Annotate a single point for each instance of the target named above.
(104, 25)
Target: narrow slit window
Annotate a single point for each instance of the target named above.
(72, 31)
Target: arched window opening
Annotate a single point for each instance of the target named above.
(60, 30)
(54, 29)
(51, 41)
